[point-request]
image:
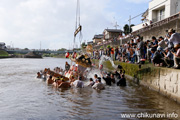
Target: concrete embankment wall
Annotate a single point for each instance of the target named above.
(163, 80)
(166, 81)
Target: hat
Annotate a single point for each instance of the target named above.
(170, 30)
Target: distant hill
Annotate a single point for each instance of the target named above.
(3, 53)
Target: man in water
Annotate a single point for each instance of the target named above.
(122, 81)
(78, 83)
(112, 78)
(64, 84)
(72, 79)
(117, 75)
(67, 67)
(91, 82)
(98, 85)
(95, 77)
(107, 79)
(57, 82)
(50, 81)
(38, 75)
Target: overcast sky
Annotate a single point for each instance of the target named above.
(26, 23)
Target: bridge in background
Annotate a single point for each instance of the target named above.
(38, 51)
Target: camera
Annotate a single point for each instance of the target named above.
(168, 35)
(172, 50)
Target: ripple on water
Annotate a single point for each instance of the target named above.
(24, 97)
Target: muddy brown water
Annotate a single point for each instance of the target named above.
(23, 97)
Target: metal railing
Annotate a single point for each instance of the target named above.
(147, 28)
(157, 24)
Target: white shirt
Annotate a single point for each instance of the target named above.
(98, 86)
(175, 38)
(78, 84)
(135, 41)
(178, 52)
(162, 44)
(96, 80)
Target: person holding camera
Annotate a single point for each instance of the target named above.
(161, 43)
(174, 38)
(168, 57)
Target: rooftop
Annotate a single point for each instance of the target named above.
(2, 43)
(98, 36)
(114, 30)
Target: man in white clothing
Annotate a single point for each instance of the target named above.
(78, 83)
(175, 38)
(98, 85)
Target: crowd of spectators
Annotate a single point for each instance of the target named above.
(161, 51)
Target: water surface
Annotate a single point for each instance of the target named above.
(23, 97)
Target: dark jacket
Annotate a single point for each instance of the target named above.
(108, 80)
(121, 82)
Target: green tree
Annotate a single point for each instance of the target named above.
(131, 27)
(83, 45)
(126, 29)
(62, 49)
(26, 49)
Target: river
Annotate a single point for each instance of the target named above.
(23, 97)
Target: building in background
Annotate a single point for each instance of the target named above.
(2, 46)
(157, 11)
(110, 34)
(90, 43)
(98, 38)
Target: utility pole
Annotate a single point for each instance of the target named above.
(130, 24)
(176, 6)
(40, 45)
(116, 25)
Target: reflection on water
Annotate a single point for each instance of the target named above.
(25, 97)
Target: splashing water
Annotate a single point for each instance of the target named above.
(103, 58)
(94, 71)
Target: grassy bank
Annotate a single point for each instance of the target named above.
(133, 70)
(3, 53)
